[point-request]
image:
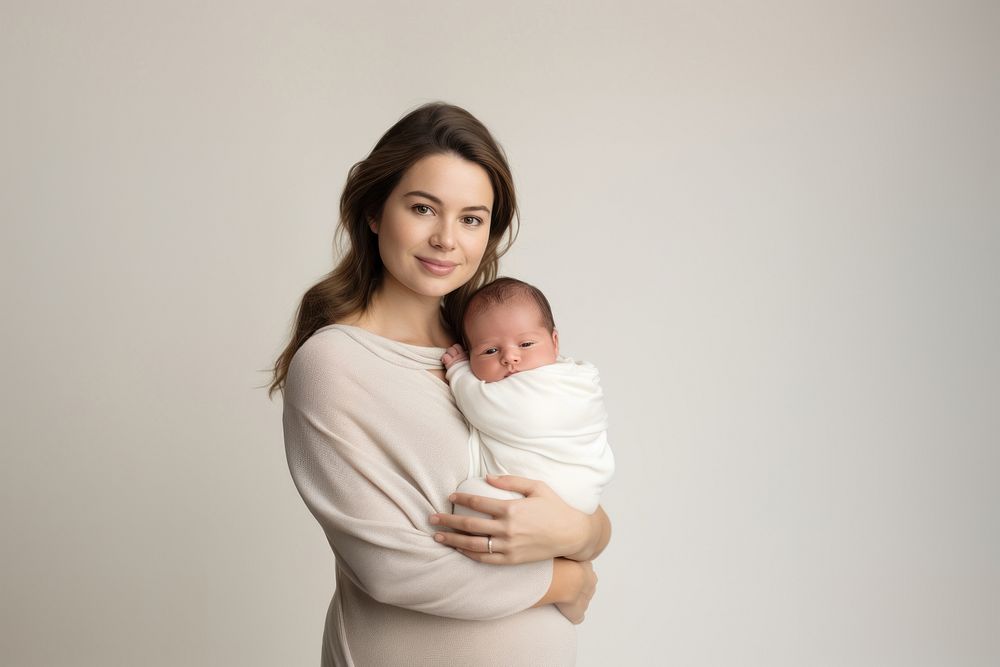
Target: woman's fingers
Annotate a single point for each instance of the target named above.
(468, 524)
(492, 506)
(475, 547)
(522, 485)
(574, 613)
(490, 558)
(468, 542)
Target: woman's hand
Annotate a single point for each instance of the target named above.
(537, 527)
(572, 588)
(576, 608)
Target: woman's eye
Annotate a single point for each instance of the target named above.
(422, 209)
(473, 221)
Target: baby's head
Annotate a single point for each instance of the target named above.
(507, 328)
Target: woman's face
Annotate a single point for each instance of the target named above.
(435, 225)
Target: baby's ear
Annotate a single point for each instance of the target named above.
(555, 340)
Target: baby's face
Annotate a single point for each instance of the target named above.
(509, 338)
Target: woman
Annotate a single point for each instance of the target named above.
(375, 443)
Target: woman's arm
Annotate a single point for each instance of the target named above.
(374, 517)
(538, 527)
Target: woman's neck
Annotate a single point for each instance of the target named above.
(398, 314)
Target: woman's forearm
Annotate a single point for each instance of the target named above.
(596, 535)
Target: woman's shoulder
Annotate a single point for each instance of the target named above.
(329, 345)
(329, 353)
(342, 353)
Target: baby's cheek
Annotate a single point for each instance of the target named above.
(486, 369)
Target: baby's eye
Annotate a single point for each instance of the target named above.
(490, 350)
(528, 343)
(422, 209)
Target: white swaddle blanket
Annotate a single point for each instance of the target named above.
(547, 423)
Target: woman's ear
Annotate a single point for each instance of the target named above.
(373, 225)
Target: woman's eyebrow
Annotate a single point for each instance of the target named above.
(427, 195)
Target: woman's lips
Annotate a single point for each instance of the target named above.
(437, 268)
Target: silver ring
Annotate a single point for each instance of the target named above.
(489, 544)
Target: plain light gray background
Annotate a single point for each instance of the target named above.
(774, 227)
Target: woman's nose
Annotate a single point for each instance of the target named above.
(443, 237)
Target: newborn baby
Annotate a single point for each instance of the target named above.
(535, 414)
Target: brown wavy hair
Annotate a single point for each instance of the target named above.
(431, 129)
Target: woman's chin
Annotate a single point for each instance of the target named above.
(437, 288)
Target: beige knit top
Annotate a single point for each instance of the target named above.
(375, 444)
